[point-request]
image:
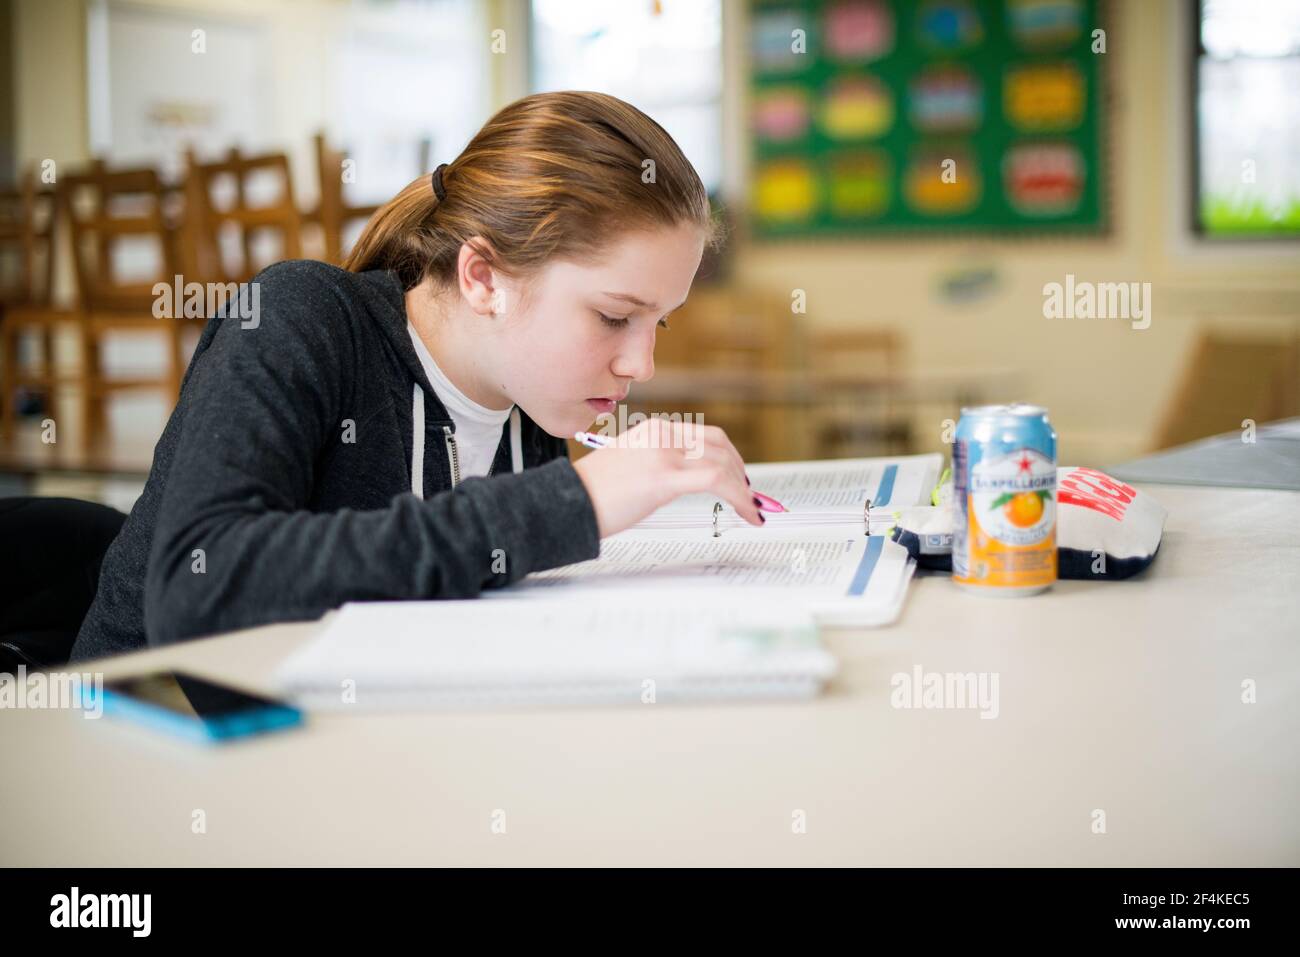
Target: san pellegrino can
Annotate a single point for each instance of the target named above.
(1004, 500)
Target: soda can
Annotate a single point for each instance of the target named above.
(1004, 500)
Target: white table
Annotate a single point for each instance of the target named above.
(1124, 697)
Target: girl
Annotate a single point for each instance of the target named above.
(395, 429)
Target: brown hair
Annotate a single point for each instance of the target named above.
(553, 175)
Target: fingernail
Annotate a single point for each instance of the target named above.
(767, 503)
(747, 482)
(757, 503)
(762, 517)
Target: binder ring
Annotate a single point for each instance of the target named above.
(717, 510)
(866, 518)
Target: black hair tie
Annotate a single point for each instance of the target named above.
(438, 189)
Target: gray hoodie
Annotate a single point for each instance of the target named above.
(308, 463)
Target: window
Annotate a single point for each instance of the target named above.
(1247, 119)
(411, 89)
(662, 56)
(401, 85)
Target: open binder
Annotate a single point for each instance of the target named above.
(827, 556)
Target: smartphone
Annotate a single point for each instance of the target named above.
(191, 707)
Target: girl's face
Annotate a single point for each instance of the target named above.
(571, 348)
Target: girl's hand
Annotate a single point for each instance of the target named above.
(658, 460)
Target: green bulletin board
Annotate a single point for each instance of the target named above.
(927, 115)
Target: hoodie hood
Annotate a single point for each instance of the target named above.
(427, 410)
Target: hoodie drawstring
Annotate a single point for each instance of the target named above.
(417, 442)
(516, 442)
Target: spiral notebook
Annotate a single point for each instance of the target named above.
(467, 654)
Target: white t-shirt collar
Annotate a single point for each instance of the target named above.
(459, 406)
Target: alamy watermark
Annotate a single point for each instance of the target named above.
(1098, 300)
(130, 911)
(946, 690)
(611, 425)
(55, 689)
(197, 300)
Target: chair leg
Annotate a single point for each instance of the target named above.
(8, 375)
(91, 399)
(51, 373)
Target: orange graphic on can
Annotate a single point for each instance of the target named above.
(1011, 523)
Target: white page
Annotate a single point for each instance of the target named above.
(816, 491)
(704, 562)
(849, 578)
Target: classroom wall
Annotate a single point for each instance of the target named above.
(1107, 385)
(49, 47)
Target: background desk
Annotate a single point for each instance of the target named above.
(1271, 461)
(1120, 696)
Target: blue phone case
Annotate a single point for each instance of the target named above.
(200, 730)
